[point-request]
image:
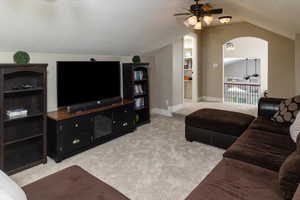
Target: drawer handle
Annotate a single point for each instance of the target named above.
(76, 141)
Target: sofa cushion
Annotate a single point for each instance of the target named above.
(226, 122)
(297, 194)
(71, 183)
(262, 148)
(270, 126)
(289, 175)
(9, 190)
(288, 110)
(236, 180)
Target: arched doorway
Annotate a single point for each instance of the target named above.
(245, 70)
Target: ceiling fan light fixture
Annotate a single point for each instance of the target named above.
(229, 46)
(225, 19)
(198, 26)
(187, 24)
(208, 19)
(192, 20)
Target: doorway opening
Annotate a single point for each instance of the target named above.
(245, 70)
(190, 69)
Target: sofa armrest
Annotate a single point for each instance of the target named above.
(297, 194)
(267, 107)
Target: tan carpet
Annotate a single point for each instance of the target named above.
(153, 163)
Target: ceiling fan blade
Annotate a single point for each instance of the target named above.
(180, 14)
(215, 11)
(207, 7)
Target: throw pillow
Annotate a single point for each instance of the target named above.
(288, 110)
(295, 128)
(9, 190)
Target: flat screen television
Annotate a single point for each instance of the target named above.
(83, 82)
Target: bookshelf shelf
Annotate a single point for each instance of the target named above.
(138, 81)
(7, 120)
(139, 95)
(23, 90)
(23, 139)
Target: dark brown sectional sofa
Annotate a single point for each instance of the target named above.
(250, 167)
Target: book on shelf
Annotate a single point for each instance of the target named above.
(16, 113)
(188, 64)
(139, 102)
(138, 89)
(138, 75)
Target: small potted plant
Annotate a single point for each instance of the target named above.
(136, 59)
(21, 57)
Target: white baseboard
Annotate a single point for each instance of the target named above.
(173, 109)
(212, 99)
(161, 112)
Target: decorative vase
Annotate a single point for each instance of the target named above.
(136, 59)
(21, 57)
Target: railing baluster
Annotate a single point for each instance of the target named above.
(241, 93)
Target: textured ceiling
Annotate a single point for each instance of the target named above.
(119, 27)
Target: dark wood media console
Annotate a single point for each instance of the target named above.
(71, 133)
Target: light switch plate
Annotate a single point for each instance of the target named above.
(215, 65)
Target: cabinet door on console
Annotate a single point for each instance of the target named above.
(123, 118)
(103, 125)
(77, 133)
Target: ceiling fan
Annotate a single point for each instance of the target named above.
(202, 12)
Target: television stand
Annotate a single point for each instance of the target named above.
(71, 133)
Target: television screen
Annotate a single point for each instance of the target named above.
(81, 82)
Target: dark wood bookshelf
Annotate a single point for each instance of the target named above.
(23, 139)
(142, 112)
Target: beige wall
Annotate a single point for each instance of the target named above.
(177, 72)
(297, 63)
(161, 62)
(166, 84)
(281, 58)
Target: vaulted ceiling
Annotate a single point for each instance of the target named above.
(119, 27)
(279, 16)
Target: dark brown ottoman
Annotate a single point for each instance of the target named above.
(219, 128)
(72, 183)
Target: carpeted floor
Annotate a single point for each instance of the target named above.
(153, 163)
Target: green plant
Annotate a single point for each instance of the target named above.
(21, 57)
(136, 59)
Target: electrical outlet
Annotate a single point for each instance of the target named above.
(215, 65)
(167, 102)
